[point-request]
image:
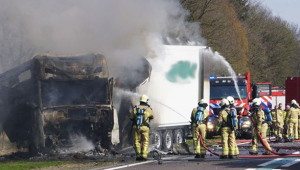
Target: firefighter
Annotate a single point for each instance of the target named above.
(277, 123)
(233, 109)
(199, 118)
(260, 127)
(283, 111)
(141, 116)
(292, 121)
(227, 131)
(287, 109)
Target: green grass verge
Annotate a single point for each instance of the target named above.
(51, 165)
(22, 165)
(189, 141)
(209, 142)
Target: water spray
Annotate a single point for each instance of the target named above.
(230, 70)
(170, 109)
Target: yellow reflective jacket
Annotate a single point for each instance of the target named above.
(258, 118)
(277, 117)
(222, 120)
(292, 115)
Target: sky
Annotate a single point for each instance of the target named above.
(286, 9)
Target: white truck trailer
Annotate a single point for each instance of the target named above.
(179, 79)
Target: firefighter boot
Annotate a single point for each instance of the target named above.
(224, 157)
(253, 153)
(202, 156)
(144, 159)
(233, 157)
(197, 156)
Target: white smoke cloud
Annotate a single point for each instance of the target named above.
(118, 29)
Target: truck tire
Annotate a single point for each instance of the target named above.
(167, 144)
(178, 136)
(156, 140)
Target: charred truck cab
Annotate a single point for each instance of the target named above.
(54, 100)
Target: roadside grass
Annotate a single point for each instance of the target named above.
(213, 141)
(50, 165)
(209, 142)
(24, 165)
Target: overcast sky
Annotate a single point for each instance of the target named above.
(288, 10)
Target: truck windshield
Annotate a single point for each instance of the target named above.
(57, 93)
(219, 92)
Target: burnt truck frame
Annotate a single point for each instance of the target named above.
(52, 99)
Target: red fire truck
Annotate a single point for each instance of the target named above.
(278, 96)
(243, 93)
(292, 89)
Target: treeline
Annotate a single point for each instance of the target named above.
(249, 37)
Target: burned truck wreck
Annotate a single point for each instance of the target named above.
(50, 101)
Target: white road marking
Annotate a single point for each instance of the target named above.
(270, 162)
(140, 163)
(125, 166)
(256, 169)
(291, 163)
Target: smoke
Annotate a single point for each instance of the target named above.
(80, 144)
(121, 30)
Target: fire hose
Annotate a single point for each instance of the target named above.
(268, 148)
(276, 154)
(202, 143)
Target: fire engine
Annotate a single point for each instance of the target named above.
(278, 96)
(243, 92)
(292, 89)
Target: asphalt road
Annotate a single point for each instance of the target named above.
(212, 162)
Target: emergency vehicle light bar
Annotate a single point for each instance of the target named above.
(218, 77)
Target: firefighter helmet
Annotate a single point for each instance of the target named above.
(256, 101)
(224, 102)
(230, 99)
(144, 98)
(203, 103)
(293, 101)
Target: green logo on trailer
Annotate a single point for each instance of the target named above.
(183, 70)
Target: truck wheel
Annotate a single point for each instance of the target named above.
(178, 136)
(167, 140)
(156, 139)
